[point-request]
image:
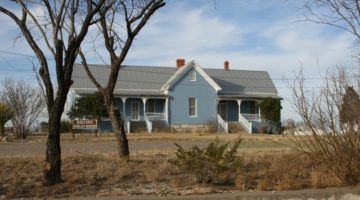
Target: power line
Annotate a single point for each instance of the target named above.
(168, 73)
(147, 71)
(21, 54)
(171, 73)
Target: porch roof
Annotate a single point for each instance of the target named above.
(248, 96)
(124, 93)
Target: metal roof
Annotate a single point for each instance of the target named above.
(141, 80)
(242, 81)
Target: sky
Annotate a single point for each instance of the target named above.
(265, 35)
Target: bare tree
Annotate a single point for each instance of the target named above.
(118, 40)
(333, 141)
(61, 26)
(343, 14)
(26, 102)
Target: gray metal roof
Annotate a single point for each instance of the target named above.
(242, 81)
(132, 79)
(147, 80)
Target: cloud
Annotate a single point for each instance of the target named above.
(254, 36)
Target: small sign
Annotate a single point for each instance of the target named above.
(85, 124)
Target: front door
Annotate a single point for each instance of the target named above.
(223, 110)
(135, 111)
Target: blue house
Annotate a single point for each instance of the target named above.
(183, 96)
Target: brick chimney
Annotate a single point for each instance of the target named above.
(226, 65)
(180, 62)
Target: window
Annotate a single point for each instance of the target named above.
(151, 105)
(192, 75)
(192, 107)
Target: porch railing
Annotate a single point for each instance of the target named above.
(246, 124)
(222, 125)
(251, 117)
(154, 116)
(148, 124)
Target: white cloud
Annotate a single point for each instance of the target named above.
(278, 46)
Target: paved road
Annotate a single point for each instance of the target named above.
(74, 148)
(314, 194)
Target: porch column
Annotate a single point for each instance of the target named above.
(123, 99)
(144, 107)
(148, 123)
(259, 111)
(239, 104)
(167, 110)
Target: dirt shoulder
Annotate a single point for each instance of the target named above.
(344, 193)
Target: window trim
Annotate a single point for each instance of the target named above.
(192, 75)
(195, 107)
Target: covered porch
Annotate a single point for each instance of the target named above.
(143, 109)
(244, 111)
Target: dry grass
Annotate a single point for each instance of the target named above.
(286, 171)
(105, 175)
(198, 135)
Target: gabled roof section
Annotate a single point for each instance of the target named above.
(141, 80)
(236, 82)
(183, 70)
(131, 79)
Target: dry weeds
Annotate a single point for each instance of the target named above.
(104, 175)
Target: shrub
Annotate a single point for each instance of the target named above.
(208, 163)
(332, 119)
(65, 126)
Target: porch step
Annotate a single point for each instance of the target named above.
(138, 126)
(235, 127)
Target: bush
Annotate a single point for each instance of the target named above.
(65, 126)
(209, 163)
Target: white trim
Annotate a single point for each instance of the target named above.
(167, 110)
(131, 112)
(182, 71)
(114, 89)
(196, 113)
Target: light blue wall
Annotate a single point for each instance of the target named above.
(179, 101)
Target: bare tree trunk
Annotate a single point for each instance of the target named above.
(118, 126)
(52, 173)
(2, 130)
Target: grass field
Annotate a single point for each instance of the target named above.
(268, 164)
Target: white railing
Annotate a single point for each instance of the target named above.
(246, 124)
(127, 127)
(148, 124)
(154, 116)
(223, 125)
(251, 117)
